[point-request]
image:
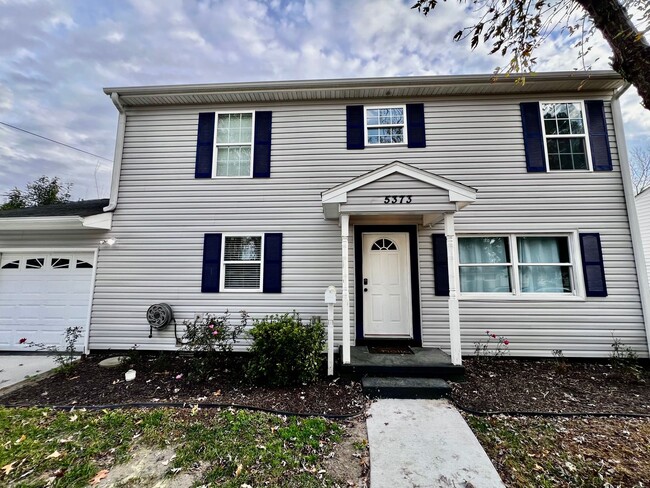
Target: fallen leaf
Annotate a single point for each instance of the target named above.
(8, 468)
(22, 438)
(195, 409)
(239, 469)
(73, 417)
(54, 455)
(99, 476)
(217, 393)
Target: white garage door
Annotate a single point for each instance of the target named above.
(41, 295)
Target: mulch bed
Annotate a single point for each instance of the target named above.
(160, 381)
(551, 386)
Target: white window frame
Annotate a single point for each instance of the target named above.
(222, 279)
(365, 126)
(566, 136)
(216, 147)
(576, 275)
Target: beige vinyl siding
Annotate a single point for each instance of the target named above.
(163, 212)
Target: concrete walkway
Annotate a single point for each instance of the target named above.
(425, 443)
(14, 368)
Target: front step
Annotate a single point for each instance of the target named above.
(400, 387)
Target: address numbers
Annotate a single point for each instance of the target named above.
(397, 199)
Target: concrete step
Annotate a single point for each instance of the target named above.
(401, 387)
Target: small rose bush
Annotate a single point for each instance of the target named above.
(493, 346)
(208, 337)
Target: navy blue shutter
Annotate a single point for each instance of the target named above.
(272, 263)
(211, 277)
(440, 265)
(262, 150)
(533, 137)
(598, 138)
(355, 127)
(592, 265)
(415, 125)
(204, 146)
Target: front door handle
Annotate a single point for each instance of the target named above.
(365, 281)
(365, 289)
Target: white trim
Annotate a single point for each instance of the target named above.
(455, 343)
(567, 136)
(97, 221)
(215, 148)
(222, 278)
(576, 276)
(365, 126)
(334, 196)
(91, 299)
(344, 221)
(635, 232)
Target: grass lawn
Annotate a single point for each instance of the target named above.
(42, 447)
(566, 452)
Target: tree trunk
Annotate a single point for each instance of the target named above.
(631, 57)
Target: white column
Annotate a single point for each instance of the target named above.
(454, 311)
(345, 233)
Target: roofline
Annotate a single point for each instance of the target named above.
(346, 83)
(102, 221)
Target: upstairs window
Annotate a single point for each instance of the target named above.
(565, 136)
(386, 125)
(242, 263)
(234, 145)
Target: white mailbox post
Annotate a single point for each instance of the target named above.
(330, 299)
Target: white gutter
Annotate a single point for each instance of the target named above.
(628, 188)
(119, 150)
(100, 221)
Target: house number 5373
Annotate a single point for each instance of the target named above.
(393, 199)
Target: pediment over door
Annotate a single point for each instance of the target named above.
(397, 188)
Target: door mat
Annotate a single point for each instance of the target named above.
(390, 350)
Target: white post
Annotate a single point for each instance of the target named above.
(454, 311)
(345, 232)
(330, 299)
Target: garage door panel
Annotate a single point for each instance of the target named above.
(39, 304)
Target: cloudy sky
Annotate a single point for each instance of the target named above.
(57, 55)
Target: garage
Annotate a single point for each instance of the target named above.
(41, 294)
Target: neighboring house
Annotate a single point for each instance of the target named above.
(48, 257)
(439, 207)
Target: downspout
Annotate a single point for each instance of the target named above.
(635, 232)
(119, 149)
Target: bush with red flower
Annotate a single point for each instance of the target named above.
(493, 346)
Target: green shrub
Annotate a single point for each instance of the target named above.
(285, 351)
(210, 338)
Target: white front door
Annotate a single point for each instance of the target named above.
(387, 285)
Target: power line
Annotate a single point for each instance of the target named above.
(56, 142)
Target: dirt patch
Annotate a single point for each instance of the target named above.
(160, 381)
(149, 467)
(551, 386)
(562, 452)
(349, 462)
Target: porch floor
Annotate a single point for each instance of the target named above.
(424, 363)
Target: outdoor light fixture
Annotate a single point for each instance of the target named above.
(109, 241)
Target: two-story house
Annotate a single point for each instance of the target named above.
(439, 207)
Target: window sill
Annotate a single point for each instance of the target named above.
(533, 297)
(232, 178)
(400, 144)
(245, 290)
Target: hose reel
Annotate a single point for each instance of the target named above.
(159, 316)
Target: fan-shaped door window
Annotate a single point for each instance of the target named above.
(383, 245)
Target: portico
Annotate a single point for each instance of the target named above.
(386, 255)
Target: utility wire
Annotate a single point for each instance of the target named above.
(56, 142)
